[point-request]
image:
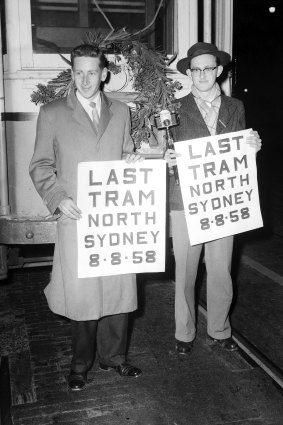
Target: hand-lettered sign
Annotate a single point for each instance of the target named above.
(218, 179)
(122, 229)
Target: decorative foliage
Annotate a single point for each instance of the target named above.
(55, 89)
(148, 69)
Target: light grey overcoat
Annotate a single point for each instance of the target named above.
(65, 136)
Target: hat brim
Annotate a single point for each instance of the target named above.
(184, 64)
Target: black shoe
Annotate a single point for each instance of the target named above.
(124, 369)
(183, 347)
(227, 344)
(77, 381)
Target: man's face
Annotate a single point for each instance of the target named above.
(204, 80)
(88, 75)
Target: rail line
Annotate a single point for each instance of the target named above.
(253, 353)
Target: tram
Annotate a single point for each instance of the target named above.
(29, 31)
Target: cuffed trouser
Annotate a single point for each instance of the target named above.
(218, 256)
(107, 336)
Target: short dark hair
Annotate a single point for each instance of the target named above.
(90, 51)
(216, 58)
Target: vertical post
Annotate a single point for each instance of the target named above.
(149, 14)
(169, 27)
(224, 25)
(83, 13)
(13, 35)
(25, 39)
(187, 14)
(193, 22)
(224, 34)
(4, 202)
(4, 197)
(207, 21)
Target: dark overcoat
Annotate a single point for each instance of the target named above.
(231, 118)
(65, 136)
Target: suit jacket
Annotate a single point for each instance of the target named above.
(231, 118)
(66, 136)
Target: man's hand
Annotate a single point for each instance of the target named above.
(254, 140)
(133, 157)
(170, 157)
(70, 209)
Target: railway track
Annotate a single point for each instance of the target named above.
(253, 353)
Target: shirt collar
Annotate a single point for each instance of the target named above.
(85, 102)
(215, 93)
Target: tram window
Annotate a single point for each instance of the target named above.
(60, 25)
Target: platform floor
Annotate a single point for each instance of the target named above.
(209, 387)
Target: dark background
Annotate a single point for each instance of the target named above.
(257, 54)
(257, 68)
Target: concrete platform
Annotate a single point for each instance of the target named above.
(209, 387)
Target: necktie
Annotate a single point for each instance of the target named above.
(95, 117)
(209, 110)
(210, 117)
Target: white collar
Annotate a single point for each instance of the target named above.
(210, 97)
(86, 102)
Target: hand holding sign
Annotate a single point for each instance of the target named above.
(219, 186)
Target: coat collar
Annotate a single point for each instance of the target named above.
(192, 109)
(226, 112)
(80, 115)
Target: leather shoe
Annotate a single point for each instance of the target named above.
(227, 344)
(124, 369)
(77, 381)
(183, 347)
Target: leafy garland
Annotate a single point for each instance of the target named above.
(148, 70)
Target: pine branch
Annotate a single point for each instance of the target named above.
(148, 69)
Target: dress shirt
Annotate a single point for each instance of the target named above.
(86, 103)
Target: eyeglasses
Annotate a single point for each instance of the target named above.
(207, 70)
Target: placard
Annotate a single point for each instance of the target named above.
(218, 179)
(122, 229)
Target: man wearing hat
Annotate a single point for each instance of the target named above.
(203, 112)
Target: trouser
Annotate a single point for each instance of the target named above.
(218, 256)
(107, 336)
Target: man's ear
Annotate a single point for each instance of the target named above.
(188, 72)
(104, 74)
(219, 70)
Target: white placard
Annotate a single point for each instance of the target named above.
(122, 229)
(218, 179)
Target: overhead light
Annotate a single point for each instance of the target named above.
(272, 9)
(246, 90)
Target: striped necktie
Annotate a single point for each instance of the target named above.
(95, 117)
(209, 109)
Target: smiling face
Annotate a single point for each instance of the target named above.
(88, 75)
(204, 81)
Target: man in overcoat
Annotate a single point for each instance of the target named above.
(84, 126)
(204, 111)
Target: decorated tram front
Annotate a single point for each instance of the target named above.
(37, 36)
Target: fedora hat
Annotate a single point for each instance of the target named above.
(198, 49)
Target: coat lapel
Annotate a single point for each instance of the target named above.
(105, 115)
(79, 115)
(193, 111)
(226, 112)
